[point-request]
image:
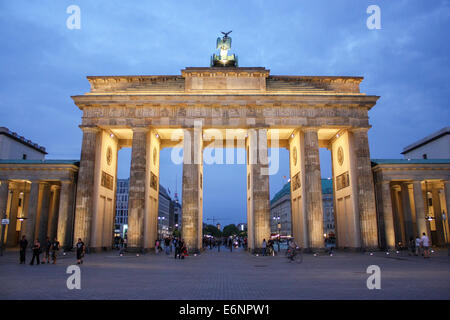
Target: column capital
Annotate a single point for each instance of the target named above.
(140, 129)
(55, 187)
(92, 129)
(309, 129)
(359, 129)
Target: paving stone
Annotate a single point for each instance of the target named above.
(228, 275)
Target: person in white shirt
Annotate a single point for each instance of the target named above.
(264, 245)
(425, 245)
(417, 245)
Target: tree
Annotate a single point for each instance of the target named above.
(212, 230)
(230, 230)
(176, 233)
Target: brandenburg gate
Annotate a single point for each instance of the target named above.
(260, 110)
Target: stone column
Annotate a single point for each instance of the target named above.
(420, 208)
(399, 222)
(32, 212)
(192, 188)
(44, 212)
(4, 191)
(388, 216)
(136, 199)
(313, 185)
(259, 187)
(53, 216)
(366, 192)
(447, 205)
(65, 214)
(11, 238)
(25, 206)
(407, 211)
(85, 187)
(438, 216)
(152, 188)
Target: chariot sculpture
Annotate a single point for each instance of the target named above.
(223, 59)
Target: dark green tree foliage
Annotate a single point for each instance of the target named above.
(230, 230)
(212, 230)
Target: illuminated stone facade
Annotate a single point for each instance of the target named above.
(37, 196)
(301, 113)
(413, 197)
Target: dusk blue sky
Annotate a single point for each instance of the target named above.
(42, 64)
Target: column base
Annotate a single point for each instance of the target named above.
(315, 250)
(98, 249)
(357, 249)
(135, 250)
(195, 250)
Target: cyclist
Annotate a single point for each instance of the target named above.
(292, 249)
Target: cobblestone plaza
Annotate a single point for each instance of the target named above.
(229, 275)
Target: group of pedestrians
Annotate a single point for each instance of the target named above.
(120, 244)
(267, 247)
(180, 248)
(229, 242)
(172, 244)
(50, 250)
(420, 246)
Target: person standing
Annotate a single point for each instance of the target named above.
(23, 249)
(46, 248)
(122, 246)
(183, 249)
(167, 245)
(425, 245)
(412, 246)
(264, 245)
(157, 246)
(55, 249)
(81, 249)
(417, 245)
(36, 252)
(177, 248)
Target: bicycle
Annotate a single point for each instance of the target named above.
(295, 255)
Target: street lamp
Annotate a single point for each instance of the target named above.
(279, 230)
(159, 226)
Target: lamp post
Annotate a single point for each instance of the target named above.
(159, 226)
(279, 230)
